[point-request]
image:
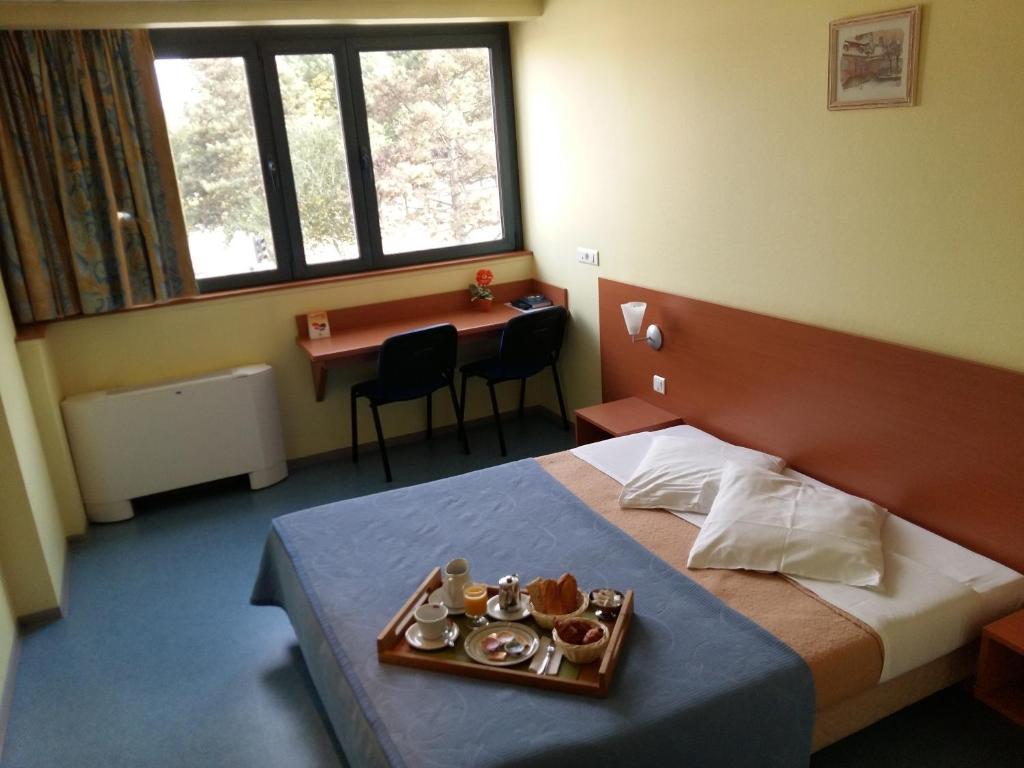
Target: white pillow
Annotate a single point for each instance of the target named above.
(762, 521)
(681, 474)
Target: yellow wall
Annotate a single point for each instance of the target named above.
(8, 633)
(96, 13)
(32, 540)
(141, 347)
(689, 140)
(45, 393)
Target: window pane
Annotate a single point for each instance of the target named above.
(209, 118)
(316, 144)
(432, 136)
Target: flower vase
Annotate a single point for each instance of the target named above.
(482, 305)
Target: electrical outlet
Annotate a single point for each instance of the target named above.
(659, 384)
(587, 256)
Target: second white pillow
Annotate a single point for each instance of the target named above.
(681, 474)
(762, 521)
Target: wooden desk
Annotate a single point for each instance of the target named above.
(359, 331)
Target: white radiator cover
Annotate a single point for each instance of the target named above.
(133, 442)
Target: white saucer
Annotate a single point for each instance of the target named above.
(412, 634)
(501, 615)
(440, 595)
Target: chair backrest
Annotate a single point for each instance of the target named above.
(532, 341)
(417, 362)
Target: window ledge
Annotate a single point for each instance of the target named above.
(38, 330)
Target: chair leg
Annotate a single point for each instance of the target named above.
(497, 418)
(462, 404)
(558, 391)
(522, 396)
(430, 416)
(458, 417)
(380, 441)
(355, 432)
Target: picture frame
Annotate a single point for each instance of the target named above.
(873, 59)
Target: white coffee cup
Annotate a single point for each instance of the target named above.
(456, 577)
(432, 619)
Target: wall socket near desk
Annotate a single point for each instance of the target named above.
(659, 384)
(588, 256)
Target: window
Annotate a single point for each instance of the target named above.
(310, 152)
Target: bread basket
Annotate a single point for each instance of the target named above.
(547, 620)
(583, 654)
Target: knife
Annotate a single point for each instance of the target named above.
(538, 659)
(547, 658)
(556, 661)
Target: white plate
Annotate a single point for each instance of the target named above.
(501, 615)
(417, 641)
(440, 595)
(523, 633)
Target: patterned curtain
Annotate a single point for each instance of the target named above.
(90, 219)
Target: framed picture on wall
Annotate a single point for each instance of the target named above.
(873, 59)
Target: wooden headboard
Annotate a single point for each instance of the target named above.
(937, 440)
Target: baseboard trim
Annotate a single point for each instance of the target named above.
(31, 621)
(415, 437)
(46, 616)
(7, 694)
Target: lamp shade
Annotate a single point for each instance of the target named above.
(633, 314)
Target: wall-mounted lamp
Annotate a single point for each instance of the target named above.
(633, 314)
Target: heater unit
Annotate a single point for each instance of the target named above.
(133, 442)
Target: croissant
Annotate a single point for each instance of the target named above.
(566, 593)
(554, 597)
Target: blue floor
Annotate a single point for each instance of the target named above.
(161, 660)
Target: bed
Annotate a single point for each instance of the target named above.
(727, 667)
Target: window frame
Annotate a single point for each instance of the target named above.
(258, 47)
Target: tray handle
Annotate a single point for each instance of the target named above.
(392, 633)
(611, 653)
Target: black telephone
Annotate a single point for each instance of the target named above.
(533, 301)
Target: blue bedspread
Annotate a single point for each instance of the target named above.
(699, 684)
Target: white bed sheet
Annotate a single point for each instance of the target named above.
(935, 595)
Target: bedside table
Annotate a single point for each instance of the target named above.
(1000, 682)
(620, 417)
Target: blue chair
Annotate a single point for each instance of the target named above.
(530, 343)
(411, 365)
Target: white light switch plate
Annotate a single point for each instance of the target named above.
(588, 256)
(659, 384)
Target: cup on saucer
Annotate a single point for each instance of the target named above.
(432, 620)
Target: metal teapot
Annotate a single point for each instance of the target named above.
(508, 592)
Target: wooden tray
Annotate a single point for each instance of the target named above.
(585, 679)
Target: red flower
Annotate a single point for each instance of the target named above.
(484, 277)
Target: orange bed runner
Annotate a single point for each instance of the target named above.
(845, 655)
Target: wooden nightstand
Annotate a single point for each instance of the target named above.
(1000, 681)
(620, 417)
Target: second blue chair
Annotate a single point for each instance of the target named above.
(530, 343)
(411, 365)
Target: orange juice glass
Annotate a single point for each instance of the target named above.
(474, 598)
